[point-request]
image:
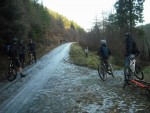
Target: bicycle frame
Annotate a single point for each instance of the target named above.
(132, 64)
(132, 72)
(109, 68)
(103, 71)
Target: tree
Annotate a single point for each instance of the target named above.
(129, 13)
(10, 16)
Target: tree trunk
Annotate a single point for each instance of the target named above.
(130, 14)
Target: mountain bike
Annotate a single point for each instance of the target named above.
(133, 71)
(103, 71)
(11, 72)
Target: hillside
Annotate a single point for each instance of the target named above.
(31, 20)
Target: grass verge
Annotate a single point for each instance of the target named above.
(146, 72)
(77, 55)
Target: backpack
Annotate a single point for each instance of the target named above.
(135, 49)
(105, 52)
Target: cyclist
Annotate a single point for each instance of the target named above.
(104, 53)
(31, 49)
(22, 52)
(14, 55)
(130, 49)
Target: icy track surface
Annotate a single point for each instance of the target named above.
(53, 85)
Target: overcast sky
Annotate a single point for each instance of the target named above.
(84, 12)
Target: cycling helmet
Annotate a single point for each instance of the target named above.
(14, 40)
(103, 41)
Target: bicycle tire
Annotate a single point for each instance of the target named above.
(127, 75)
(10, 74)
(138, 73)
(102, 73)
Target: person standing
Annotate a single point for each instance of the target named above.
(14, 55)
(32, 49)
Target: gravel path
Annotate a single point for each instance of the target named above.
(53, 85)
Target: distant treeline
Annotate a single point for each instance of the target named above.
(26, 19)
(146, 42)
(113, 26)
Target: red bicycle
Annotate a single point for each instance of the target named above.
(133, 74)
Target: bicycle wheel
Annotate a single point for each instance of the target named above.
(102, 73)
(11, 74)
(127, 75)
(138, 73)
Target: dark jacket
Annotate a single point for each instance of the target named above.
(101, 52)
(31, 47)
(14, 50)
(129, 43)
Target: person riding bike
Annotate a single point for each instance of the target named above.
(14, 55)
(104, 53)
(130, 48)
(22, 52)
(32, 49)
